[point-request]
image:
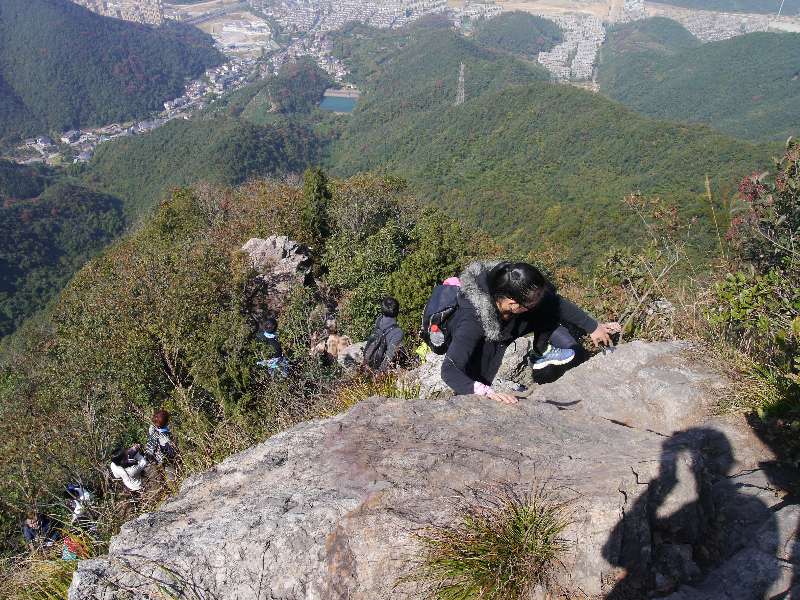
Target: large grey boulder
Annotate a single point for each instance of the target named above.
(281, 265)
(328, 509)
(277, 254)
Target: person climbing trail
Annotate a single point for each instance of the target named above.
(38, 531)
(386, 338)
(128, 465)
(160, 447)
(79, 500)
(330, 348)
(491, 305)
(277, 364)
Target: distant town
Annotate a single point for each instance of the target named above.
(259, 36)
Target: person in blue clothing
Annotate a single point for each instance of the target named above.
(276, 364)
(500, 302)
(38, 531)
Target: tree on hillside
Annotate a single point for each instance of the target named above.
(314, 217)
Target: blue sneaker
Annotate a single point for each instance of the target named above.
(553, 356)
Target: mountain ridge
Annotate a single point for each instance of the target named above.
(88, 69)
(746, 86)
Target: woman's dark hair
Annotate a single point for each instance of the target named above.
(270, 325)
(390, 307)
(521, 282)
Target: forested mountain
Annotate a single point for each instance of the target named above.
(63, 66)
(527, 159)
(48, 229)
(746, 86)
(52, 225)
(298, 86)
(217, 149)
(790, 7)
(656, 35)
(20, 182)
(519, 33)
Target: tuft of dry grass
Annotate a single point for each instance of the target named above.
(367, 385)
(501, 545)
(42, 576)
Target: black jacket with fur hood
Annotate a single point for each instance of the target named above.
(480, 336)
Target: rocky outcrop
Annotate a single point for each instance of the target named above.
(663, 497)
(277, 254)
(282, 265)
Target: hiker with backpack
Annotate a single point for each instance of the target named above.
(128, 465)
(473, 319)
(276, 364)
(160, 447)
(386, 337)
(39, 531)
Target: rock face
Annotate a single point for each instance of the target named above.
(663, 497)
(282, 266)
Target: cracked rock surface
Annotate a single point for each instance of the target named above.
(665, 498)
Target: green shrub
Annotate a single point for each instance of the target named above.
(383, 243)
(500, 547)
(757, 305)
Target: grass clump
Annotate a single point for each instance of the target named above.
(367, 385)
(502, 545)
(43, 575)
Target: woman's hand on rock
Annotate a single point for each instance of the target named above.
(602, 335)
(503, 398)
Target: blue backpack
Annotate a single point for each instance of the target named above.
(440, 307)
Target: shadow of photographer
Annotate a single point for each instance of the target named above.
(700, 532)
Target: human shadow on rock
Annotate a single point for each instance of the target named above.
(692, 518)
(783, 474)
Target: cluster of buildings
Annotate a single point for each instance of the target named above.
(80, 144)
(316, 45)
(301, 16)
(712, 26)
(309, 22)
(715, 26)
(574, 58)
(139, 11)
(633, 10)
(476, 10)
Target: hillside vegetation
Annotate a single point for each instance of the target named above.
(172, 322)
(657, 35)
(519, 33)
(219, 149)
(20, 182)
(49, 228)
(790, 7)
(298, 87)
(63, 66)
(524, 158)
(746, 86)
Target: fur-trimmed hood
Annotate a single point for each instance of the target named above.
(474, 288)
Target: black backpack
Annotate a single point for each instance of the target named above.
(375, 349)
(440, 307)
